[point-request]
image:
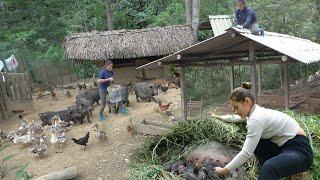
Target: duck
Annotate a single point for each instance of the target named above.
(101, 135)
(58, 138)
(38, 150)
(25, 139)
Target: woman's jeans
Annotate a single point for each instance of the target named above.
(275, 162)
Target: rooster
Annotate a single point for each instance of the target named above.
(130, 128)
(164, 107)
(82, 141)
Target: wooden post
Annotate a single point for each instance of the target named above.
(68, 65)
(286, 83)
(253, 74)
(259, 78)
(232, 79)
(67, 173)
(206, 78)
(183, 93)
(305, 93)
(281, 77)
(142, 73)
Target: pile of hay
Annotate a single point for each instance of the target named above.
(150, 161)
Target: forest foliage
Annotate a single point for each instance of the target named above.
(34, 30)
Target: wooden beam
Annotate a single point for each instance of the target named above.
(183, 93)
(253, 74)
(235, 62)
(232, 79)
(188, 59)
(258, 67)
(286, 83)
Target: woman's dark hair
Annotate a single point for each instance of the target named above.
(241, 93)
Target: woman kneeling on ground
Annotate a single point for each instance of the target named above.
(275, 138)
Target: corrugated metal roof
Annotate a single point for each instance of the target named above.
(302, 50)
(226, 44)
(220, 23)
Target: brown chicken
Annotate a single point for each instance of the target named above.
(53, 95)
(164, 107)
(173, 85)
(130, 128)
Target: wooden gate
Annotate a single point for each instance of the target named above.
(15, 93)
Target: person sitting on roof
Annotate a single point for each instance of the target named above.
(245, 17)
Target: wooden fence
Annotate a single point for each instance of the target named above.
(15, 94)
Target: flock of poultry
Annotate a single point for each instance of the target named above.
(32, 135)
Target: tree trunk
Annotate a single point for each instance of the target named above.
(195, 18)
(109, 14)
(188, 11)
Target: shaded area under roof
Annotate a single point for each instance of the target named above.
(234, 44)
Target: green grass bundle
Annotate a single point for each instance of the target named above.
(150, 160)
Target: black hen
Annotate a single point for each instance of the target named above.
(82, 141)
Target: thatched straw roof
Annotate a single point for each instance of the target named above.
(127, 44)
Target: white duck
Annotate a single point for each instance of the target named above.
(25, 139)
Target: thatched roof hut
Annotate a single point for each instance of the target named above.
(128, 44)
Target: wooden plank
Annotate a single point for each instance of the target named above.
(286, 84)
(253, 74)
(184, 108)
(7, 86)
(152, 128)
(23, 89)
(233, 62)
(3, 113)
(232, 79)
(29, 94)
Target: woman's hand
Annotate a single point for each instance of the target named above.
(221, 171)
(110, 79)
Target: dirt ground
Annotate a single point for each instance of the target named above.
(109, 160)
